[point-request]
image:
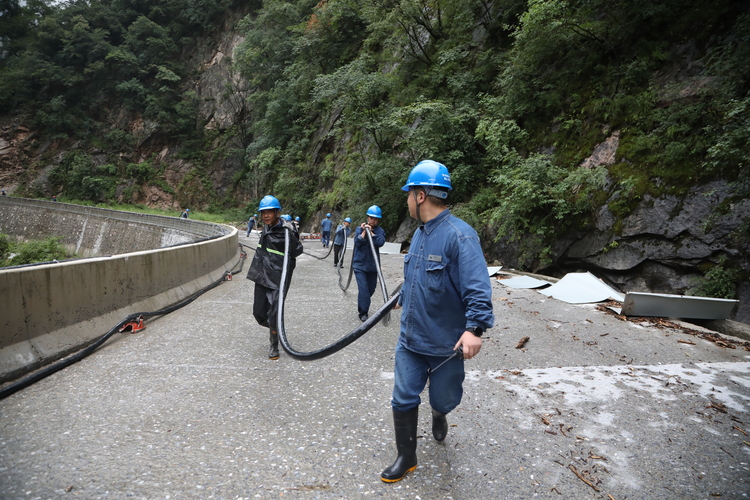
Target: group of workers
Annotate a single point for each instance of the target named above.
(446, 298)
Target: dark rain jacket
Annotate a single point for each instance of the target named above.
(266, 267)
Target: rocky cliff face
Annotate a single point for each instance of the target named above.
(663, 245)
(221, 101)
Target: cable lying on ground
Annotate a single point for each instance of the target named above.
(74, 358)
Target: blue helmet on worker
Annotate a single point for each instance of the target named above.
(269, 203)
(287, 217)
(374, 211)
(430, 174)
(348, 219)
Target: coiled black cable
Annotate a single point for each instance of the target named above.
(339, 344)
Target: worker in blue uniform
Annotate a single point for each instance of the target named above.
(447, 304)
(363, 261)
(325, 230)
(339, 240)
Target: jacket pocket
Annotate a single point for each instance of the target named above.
(435, 272)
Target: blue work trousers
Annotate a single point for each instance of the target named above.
(325, 238)
(446, 384)
(366, 283)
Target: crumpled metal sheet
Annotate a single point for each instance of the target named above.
(582, 288)
(494, 270)
(524, 282)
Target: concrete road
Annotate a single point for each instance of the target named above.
(592, 407)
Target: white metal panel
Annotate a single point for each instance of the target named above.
(676, 306)
(581, 288)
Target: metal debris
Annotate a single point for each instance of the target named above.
(676, 306)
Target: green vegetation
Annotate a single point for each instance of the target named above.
(720, 281)
(14, 253)
(345, 96)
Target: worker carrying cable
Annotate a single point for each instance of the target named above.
(267, 265)
(339, 241)
(447, 305)
(363, 259)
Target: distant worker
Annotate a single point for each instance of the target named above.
(295, 222)
(251, 224)
(185, 214)
(267, 267)
(54, 197)
(288, 218)
(339, 240)
(4, 193)
(325, 230)
(364, 263)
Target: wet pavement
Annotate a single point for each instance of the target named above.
(591, 407)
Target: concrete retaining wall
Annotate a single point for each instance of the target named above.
(91, 231)
(51, 310)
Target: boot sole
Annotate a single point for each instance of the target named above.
(398, 478)
(277, 357)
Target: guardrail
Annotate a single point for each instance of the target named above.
(51, 310)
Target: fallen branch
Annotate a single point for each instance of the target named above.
(522, 342)
(572, 467)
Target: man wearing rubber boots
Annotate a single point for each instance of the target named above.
(267, 266)
(447, 305)
(339, 241)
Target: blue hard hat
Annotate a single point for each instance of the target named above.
(269, 202)
(348, 219)
(328, 215)
(297, 219)
(286, 217)
(187, 209)
(429, 173)
(374, 211)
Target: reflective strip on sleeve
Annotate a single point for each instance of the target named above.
(271, 250)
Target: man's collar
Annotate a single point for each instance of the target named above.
(435, 222)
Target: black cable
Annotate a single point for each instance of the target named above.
(376, 259)
(351, 273)
(339, 344)
(341, 265)
(330, 247)
(31, 379)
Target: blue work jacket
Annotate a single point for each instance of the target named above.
(326, 224)
(446, 286)
(362, 259)
(342, 233)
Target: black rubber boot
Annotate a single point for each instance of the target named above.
(405, 426)
(439, 425)
(273, 352)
